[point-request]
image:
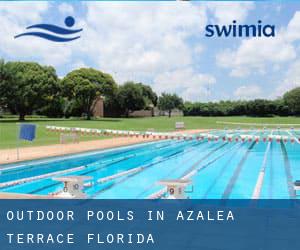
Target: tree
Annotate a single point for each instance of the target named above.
(292, 100)
(84, 85)
(131, 98)
(167, 102)
(3, 83)
(149, 94)
(26, 86)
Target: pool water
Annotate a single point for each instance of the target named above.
(221, 169)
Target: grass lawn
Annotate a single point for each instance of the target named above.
(9, 127)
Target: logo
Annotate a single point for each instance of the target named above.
(238, 30)
(57, 34)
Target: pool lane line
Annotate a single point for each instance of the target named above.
(58, 183)
(118, 175)
(123, 173)
(222, 171)
(39, 177)
(26, 167)
(94, 170)
(194, 166)
(144, 168)
(288, 173)
(270, 189)
(196, 169)
(172, 170)
(41, 165)
(193, 170)
(295, 138)
(237, 172)
(187, 174)
(260, 179)
(142, 153)
(53, 159)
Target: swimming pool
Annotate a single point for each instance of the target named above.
(218, 169)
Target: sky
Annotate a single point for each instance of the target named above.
(163, 44)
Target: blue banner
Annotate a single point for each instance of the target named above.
(149, 224)
(27, 132)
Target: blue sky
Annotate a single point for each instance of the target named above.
(163, 44)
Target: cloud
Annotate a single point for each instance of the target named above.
(23, 12)
(226, 12)
(248, 92)
(291, 80)
(65, 8)
(141, 38)
(254, 55)
(293, 28)
(187, 83)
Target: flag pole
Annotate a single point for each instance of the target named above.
(17, 138)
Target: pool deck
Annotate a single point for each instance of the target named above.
(24, 196)
(31, 153)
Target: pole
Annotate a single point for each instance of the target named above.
(17, 140)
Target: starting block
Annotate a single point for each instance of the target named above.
(176, 188)
(296, 186)
(73, 186)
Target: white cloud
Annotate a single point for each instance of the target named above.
(65, 8)
(188, 84)
(247, 92)
(255, 54)
(198, 49)
(23, 11)
(291, 80)
(141, 38)
(226, 12)
(293, 28)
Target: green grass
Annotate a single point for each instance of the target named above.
(9, 127)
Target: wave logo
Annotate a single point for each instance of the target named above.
(59, 34)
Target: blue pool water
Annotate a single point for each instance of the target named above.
(221, 169)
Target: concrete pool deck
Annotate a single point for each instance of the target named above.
(31, 153)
